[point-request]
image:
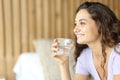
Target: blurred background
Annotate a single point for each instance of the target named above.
(22, 21)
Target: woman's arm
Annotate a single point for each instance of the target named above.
(81, 77)
(116, 77)
(65, 73)
(64, 64)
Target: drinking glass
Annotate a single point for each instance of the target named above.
(65, 46)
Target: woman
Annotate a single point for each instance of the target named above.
(97, 53)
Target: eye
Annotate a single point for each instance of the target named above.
(75, 24)
(82, 23)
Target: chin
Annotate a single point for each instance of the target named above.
(80, 42)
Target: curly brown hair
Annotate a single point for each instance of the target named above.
(108, 27)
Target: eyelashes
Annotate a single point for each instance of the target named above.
(75, 24)
(80, 24)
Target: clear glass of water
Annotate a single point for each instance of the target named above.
(65, 46)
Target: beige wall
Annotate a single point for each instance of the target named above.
(22, 21)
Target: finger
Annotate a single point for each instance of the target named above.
(55, 40)
(54, 54)
(55, 44)
(54, 50)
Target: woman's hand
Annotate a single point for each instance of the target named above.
(61, 59)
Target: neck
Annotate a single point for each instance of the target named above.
(97, 49)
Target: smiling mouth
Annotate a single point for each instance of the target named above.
(80, 35)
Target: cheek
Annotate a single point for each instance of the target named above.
(93, 34)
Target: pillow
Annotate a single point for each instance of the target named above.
(31, 71)
(50, 66)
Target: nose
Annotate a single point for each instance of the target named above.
(76, 29)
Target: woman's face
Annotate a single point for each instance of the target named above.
(85, 28)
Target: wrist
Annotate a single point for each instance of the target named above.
(64, 64)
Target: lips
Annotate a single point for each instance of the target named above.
(80, 35)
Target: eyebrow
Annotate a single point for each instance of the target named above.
(81, 20)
